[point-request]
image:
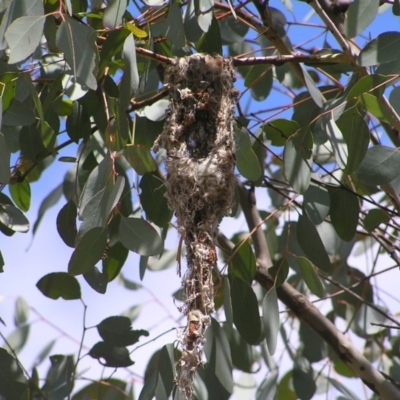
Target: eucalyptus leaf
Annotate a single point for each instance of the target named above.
(59, 284)
(139, 236)
(218, 354)
(270, 310)
(359, 15)
(246, 316)
(77, 41)
(380, 50)
(297, 161)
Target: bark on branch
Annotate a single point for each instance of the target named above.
(308, 312)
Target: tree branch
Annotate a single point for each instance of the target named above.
(309, 313)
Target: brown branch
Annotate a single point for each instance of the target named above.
(292, 58)
(310, 314)
(154, 56)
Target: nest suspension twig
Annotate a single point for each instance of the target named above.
(198, 138)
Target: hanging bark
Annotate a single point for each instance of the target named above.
(198, 139)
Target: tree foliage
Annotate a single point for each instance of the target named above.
(317, 159)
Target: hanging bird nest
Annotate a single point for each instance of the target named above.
(198, 139)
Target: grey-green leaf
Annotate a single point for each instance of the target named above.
(338, 143)
(176, 30)
(218, 354)
(139, 236)
(344, 212)
(77, 41)
(316, 203)
(5, 157)
(380, 165)
(113, 13)
(270, 317)
(311, 277)
(311, 243)
(13, 218)
(246, 160)
(88, 251)
(246, 316)
(59, 284)
(359, 15)
(380, 50)
(23, 36)
(297, 161)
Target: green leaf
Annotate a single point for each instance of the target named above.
(130, 79)
(243, 262)
(210, 42)
(311, 277)
(205, 14)
(77, 41)
(115, 259)
(359, 15)
(58, 380)
(111, 46)
(88, 251)
(17, 339)
(21, 194)
(49, 201)
(175, 31)
(23, 37)
(78, 123)
(5, 157)
(374, 218)
(35, 142)
(66, 223)
(246, 160)
(139, 236)
(1, 269)
(374, 105)
(111, 356)
(18, 114)
(21, 315)
(316, 203)
(311, 243)
(343, 389)
(96, 280)
(279, 130)
(297, 161)
(314, 347)
(267, 388)
(117, 331)
(356, 134)
(192, 29)
(270, 310)
(115, 195)
(44, 353)
(259, 79)
(380, 165)
(59, 284)
(165, 372)
(366, 316)
(279, 271)
(285, 388)
(8, 84)
(96, 182)
(218, 354)
(312, 88)
(139, 158)
(374, 84)
(344, 212)
(112, 389)
(343, 369)
(13, 218)
(13, 382)
(303, 379)
(245, 310)
(380, 50)
(114, 13)
(338, 143)
(128, 284)
(153, 200)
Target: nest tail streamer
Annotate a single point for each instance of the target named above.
(198, 139)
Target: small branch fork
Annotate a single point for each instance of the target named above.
(308, 312)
